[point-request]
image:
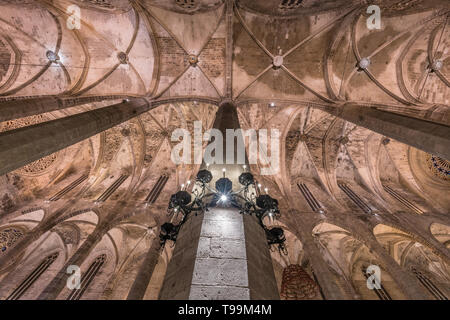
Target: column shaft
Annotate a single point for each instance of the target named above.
(140, 284)
(330, 289)
(180, 269)
(221, 271)
(409, 284)
(425, 135)
(15, 108)
(225, 256)
(261, 276)
(24, 145)
(406, 281)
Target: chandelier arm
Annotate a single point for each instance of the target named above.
(243, 199)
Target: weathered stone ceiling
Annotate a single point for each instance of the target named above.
(140, 148)
(324, 151)
(143, 48)
(294, 8)
(180, 53)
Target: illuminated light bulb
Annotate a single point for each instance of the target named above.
(364, 63)
(259, 185)
(188, 182)
(437, 65)
(266, 190)
(223, 198)
(244, 166)
(207, 165)
(224, 170)
(272, 104)
(182, 186)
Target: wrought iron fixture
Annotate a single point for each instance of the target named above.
(203, 196)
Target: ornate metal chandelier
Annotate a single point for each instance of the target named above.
(204, 196)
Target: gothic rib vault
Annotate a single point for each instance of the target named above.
(365, 153)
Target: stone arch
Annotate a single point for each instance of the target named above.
(348, 259)
(31, 217)
(441, 232)
(15, 229)
(48, 244)
(399, 179)
(135, 243)
(64, 239)
(75, 229)
(291, 137)
(414, 256)
(107, 250)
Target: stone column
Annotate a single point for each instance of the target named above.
(325, 279)
(17, 107)
(261, 276)
(221, 271)
(24, 145)
(221, 254)
(178, 278)
(407, 283)
(425, 135)
(144, 275)
(223, 257)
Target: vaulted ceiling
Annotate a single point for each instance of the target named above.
(191, 55)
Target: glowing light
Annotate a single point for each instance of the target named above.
(266, 190)
(272, 104)
(224, 170)
(244, 166)
(188, 182)
(364, 63)
(223, 198)
(259, 185)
